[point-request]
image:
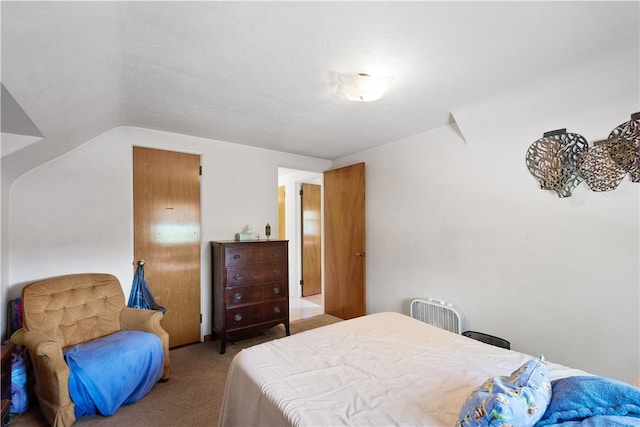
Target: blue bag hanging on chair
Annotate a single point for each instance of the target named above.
(141, 296)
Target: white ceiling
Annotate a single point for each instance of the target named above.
(265, 73)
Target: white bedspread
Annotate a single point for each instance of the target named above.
(378, 370)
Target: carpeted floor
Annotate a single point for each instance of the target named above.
(193, 395)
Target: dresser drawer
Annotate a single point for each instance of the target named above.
(247, 275)
(240, 317)
(276, 309)
(254, 254)
(274, 291)
(248, 315)
(240, 295)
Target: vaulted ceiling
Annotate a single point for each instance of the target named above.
(265, 73)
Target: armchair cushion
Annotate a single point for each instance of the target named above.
(133, 358)
(75, 308)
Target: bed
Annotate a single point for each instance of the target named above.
(377, 370)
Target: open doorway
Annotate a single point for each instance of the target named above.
(291, 224)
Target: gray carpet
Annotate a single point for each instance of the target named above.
(193, 395)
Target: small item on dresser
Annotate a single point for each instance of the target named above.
(267, 231)
(247, 237)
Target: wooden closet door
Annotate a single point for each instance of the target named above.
(166, 208)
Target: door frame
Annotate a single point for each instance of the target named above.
(292, 179)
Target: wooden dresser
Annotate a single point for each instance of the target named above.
(7, 351)
(250, 287)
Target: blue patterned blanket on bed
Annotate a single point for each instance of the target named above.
(586, 401)
(113, 371)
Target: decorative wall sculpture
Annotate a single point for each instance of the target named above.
(604, 165)
(560, 161)
(552, 160)
(630, 132)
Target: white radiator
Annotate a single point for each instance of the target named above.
(438, 313)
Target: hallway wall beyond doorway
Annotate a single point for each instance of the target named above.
(292, 180)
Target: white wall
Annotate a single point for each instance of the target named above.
(74, 214)
(463, 220)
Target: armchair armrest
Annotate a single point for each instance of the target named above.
(134, 319)
(52, 378)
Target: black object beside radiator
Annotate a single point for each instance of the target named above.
(488, 339)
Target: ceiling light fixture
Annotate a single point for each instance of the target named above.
(363, 87)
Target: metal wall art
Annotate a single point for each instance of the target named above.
(604, 165)
(560, 161)
(552, 161)
(630, 132)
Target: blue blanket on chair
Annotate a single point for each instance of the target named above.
(113, 371)
(587, 401)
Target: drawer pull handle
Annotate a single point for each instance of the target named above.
(237, 317)
(237, 277)
(276, 290)
(237, 296)
(275, 254)
(276, 272)
(236, 256)
(276, 309)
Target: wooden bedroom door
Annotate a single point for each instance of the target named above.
(345, 256)
(166, 211)
(311, 240)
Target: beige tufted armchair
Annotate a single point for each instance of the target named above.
(64, 311)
